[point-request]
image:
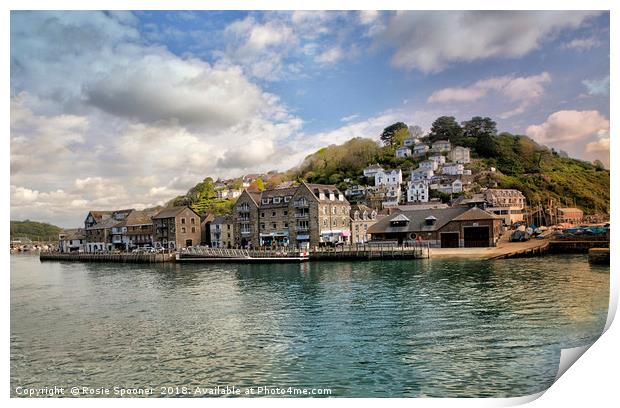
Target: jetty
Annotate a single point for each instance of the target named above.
(204, 254)
(371, 252)
(107, 257)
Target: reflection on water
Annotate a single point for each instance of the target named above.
(403, 328)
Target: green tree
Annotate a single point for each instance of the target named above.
(446, 128)
(389, 134)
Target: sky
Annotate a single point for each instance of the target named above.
(130, 109)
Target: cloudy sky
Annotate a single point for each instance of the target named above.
(128, 110)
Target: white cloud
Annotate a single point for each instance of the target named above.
(431, 41)
(597, 86)
(582, 44)
(330, 56)
(367, 17)
(575, 132)
(523, 90)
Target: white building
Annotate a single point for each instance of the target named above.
(441, 146)
(410, 142)
(459, 155)
(417, 191)
(420, 149)
(72, 240)
(403, 151)
(422, 174)
(429, 165)
(388, 177)
(453, 169)
(455, 186)
(440, 159)
(371, 170)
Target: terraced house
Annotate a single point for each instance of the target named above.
(308, 214)
(176, 227)
(98, 227)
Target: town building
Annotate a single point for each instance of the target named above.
(459, 154)
(448, 186)
(305, 215)
(452, 169)
(176, 227)
(355, 191)
(371, 170)
(221, 232)
(362, 217)
(441, 146)
(403, 151)
(390, 181)
(422, 174)
(569, 215)
(98, 228)
(72, 240)
(420, 149)
(134, 231)
(205, 229)
(439, 227)
(274, 217)
(506, 203)
(429, 165)
(417, 191)
(438, 158)
(410, 142)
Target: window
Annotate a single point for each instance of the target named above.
(285, 212)
(286, 225)
(265, 201)
(274, 225)
(273, 213)
(183, 229)
(325, 223)
(287, 199)
(262, 215)
(262, 225)
(276, 200)
(182, 220)
(334, 210)
(193, 228)
(192, 220)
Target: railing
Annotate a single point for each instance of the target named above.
(204, 252)
(301, 229)
(304, 215)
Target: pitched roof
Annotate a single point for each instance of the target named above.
(170, 212)
(276, 192)
(476, 213)
(323, 188)
(417, 220)
(71, 234)
(137, 218)
(99, 215)
(105, 224)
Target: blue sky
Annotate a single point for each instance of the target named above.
(132, 108)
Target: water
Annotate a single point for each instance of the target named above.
(402, 328)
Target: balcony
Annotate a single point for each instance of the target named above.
(300, 228)
(299, 204)
(301, 215)
(245, 233)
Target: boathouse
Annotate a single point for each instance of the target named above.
(440, 227)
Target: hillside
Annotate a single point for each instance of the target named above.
(519, 162)
(36, 231)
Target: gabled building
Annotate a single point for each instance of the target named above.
(453, 169)
(459, 154)
(417, 191)
(136, 230)
(441, 227)
(420, 149)
(175, 228)
(371, 170)
(221, 231)
(274, 217)
(441, 146)
(245, 218)
(429, 165)
(98, 227)
(422, 174)
(438, 158)
(362, 218)
(72, 240)
(403, 151)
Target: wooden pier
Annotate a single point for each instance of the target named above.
(122, 258)
(370, 252)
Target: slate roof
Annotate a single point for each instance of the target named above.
(324, 188)
(417, 219)
(71, 234)
(169, 212)
(276, 192)
(137, 218)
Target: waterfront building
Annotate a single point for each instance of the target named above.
(420, 149)
(72, 240)
(274, 217)
(176, 228)
(221, 232)
(439, 227)
(569, 215)
(205, 229)
(403, 151)
(508, 203)
(441, 146)
(137, 229)
(417, 191)
(459, 154)
(308, 214)
(362, 217)
(98, 227)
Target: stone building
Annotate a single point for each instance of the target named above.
(72, 240)
(98, 228)
(362, 218)
(440, 227)
(176, 227)
(569, 215)
(308, 214)
(221, 232)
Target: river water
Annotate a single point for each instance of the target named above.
(436, 328)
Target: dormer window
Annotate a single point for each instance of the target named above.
(265, 201)
(276, 200)
(287, 199)
(431, 220)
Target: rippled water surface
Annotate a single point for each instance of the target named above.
(402, 328)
